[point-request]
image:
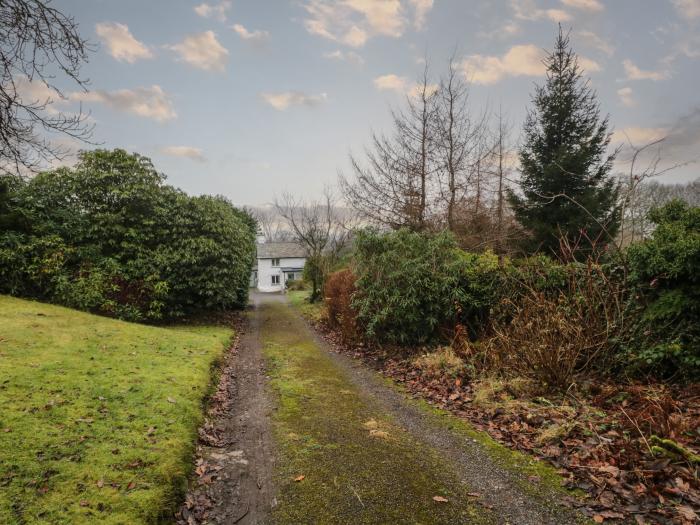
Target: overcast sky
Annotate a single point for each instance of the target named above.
(248, 98)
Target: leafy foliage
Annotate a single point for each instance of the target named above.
(566, 187)
(665, 271)
(410, 285)
(110, 236)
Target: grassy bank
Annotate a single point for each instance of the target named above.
(98, 417)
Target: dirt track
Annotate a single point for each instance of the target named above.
(348, 448)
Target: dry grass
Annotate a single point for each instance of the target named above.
(444, 362)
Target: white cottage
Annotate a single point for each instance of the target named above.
(277, 264)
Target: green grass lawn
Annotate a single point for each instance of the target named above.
(300, 299)
(98, 417)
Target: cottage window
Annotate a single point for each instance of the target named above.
(275, 262)
(275, 279)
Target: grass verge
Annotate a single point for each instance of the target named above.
(98, 417)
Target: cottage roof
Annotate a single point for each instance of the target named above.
(280, 250)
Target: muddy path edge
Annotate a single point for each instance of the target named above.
(233, 478)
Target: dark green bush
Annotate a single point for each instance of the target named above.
(110, 236)
(412, 285)
(665, 271)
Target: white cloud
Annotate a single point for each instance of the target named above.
(528, 10)
(399, 84)
(345, 56)
(353, 22)
(586, 5)
(588, 65)
(421, 8)
(688, 8)
(256, 36)
(217, 11)
(520, 60)
(635, 73)
(121, 43)
(187, 152)
(282, 101)
(391, 82)
(638, 135)
(595, 41)
(36, 92)
(626, 97)
(203, 51)
(507, 29)
(150, 102)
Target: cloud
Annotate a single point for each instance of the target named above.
(353, 22)
(633, 72)
(588, 65)
(36, 92)
(203, 51)
(391, 82)
(638, 136)
(520, 60)
(399, 84)
(282, 101)
(256, 36)
(528, 10)
(626, 97)
(586, 5)
(121, 43)
(687, 8)
(344, 56)
(421, 8)
(595, 41)
(507, 29)
(187, 152)
(150, 102)
(217, 11)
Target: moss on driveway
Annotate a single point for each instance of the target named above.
(339, 458)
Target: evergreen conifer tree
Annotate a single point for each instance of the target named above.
(567, 189)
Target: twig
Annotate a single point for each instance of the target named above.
(358, 496)
(638, 430)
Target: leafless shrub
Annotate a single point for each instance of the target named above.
(553, 335)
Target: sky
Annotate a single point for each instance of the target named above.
(251, 98)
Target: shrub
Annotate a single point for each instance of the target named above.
(665, 271)
(338, 292)
(549, 331)
(413, 286)
(109, 236)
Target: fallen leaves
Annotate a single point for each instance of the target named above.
(370, 424)
(381, 434)
(299, 478)
(440, 499)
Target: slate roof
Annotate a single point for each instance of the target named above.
(280, 250)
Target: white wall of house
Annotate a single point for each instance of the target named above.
(266, 272)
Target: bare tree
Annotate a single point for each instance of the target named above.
(271, 225)
(501, 153)
(321, 228)
(459, 141)
(38, 43)
(645, 165)
(393, 188)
